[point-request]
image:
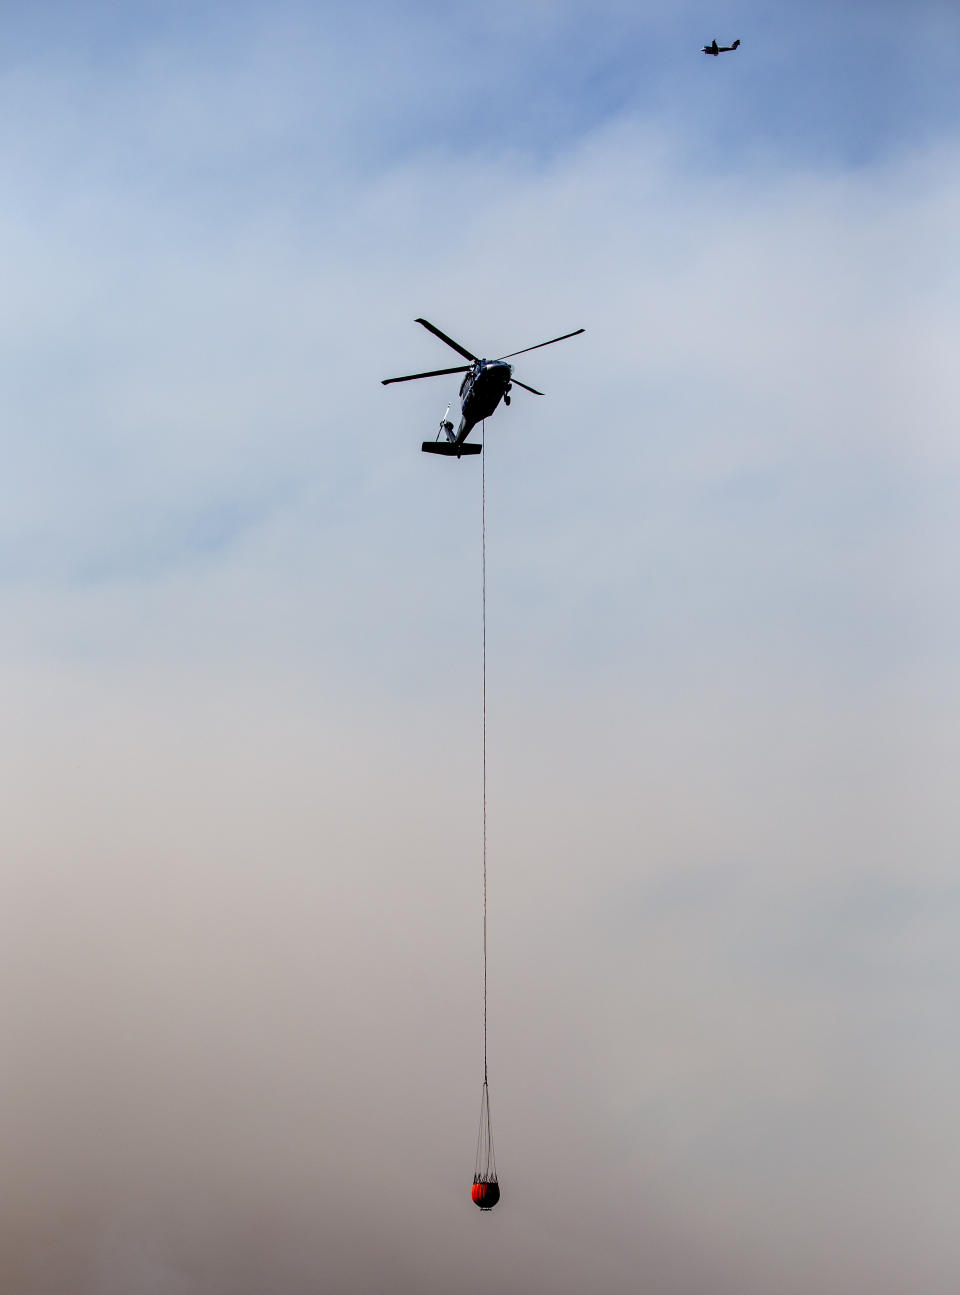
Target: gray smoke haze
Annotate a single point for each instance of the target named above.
(241, 1028)
(239, 915)
(241, 1011)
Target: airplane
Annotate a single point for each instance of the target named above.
(485, 384)
(716, 50)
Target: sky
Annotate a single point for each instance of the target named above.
(240, 646)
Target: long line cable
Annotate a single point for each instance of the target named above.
(486, 1188)
(483, 694)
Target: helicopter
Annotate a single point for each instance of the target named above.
(716, 50)
(485, 383)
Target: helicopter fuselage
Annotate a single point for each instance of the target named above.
(482, 389)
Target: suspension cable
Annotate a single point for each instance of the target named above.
(483, 692)
(486, 1188)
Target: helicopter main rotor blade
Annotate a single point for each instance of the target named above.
(434, 373)
(460, 350)
(517, 383)
(576, 333)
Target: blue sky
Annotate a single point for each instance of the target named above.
(846, 85)
(239, 631)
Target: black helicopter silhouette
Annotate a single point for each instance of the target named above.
(485, 384)
(716, 50)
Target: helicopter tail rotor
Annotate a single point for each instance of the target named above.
(446, 427)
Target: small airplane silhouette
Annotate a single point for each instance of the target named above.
(716, 49)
